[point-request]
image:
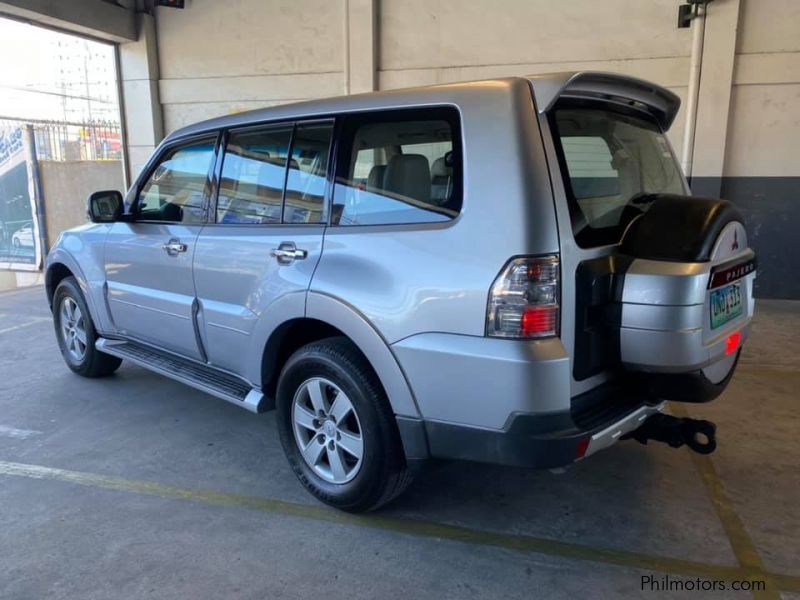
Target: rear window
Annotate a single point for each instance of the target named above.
(611, 161)
(398, 167)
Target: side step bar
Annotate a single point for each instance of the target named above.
(202, 377)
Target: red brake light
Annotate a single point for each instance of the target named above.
(732, 343)
(583, 446)
(539, 320)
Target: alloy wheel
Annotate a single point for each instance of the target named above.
(73, 329)
(327, 430)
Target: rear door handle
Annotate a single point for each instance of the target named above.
(287, 253)
(173, 247)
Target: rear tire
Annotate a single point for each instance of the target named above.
(337, 428)
(76, 334)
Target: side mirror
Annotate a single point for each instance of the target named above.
(105, 206)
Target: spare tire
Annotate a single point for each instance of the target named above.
(667, 335)
(678, 228)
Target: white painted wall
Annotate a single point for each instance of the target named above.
(764, 128)
(436, 41)
(221, 57)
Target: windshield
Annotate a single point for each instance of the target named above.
(611, 161)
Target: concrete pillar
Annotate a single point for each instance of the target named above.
(140, 103)
(714, 100)
(360, 45)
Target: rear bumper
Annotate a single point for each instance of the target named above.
(599, 419)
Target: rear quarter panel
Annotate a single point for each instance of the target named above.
(411, 279)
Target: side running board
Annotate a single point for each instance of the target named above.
(202, 377)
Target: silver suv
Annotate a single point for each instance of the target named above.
(508, 271)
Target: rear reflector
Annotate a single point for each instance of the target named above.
(732, 343)
(583, 446)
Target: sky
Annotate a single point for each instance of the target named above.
(45, 74)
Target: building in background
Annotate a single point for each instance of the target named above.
(48, 75)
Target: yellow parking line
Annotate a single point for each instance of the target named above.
(521, 543)
(743, 547)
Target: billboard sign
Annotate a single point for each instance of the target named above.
(19, 228)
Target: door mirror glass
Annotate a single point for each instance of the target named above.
(105, 206)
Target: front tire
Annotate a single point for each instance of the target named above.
(337, 428)
(76, 334)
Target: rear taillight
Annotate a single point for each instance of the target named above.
(524, 299)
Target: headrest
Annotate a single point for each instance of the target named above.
(375, 177)
(440, 168)
(408, 175)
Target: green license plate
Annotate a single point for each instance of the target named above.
(726, 304)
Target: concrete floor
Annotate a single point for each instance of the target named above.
(138, 487)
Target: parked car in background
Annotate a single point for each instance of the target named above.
(509, 271)
(23, 237)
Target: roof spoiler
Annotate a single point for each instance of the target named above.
(659, 101)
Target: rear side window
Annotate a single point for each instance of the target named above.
(175, 190)
(399, 167)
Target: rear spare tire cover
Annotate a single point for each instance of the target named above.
(688, 229)
(679, 228)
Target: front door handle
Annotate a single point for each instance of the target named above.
(174, 247)
(287, 253)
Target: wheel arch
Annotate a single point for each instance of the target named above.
(284, 341)
(328, 317)
(55, 274)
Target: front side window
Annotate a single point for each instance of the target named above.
(611, 162)
(399, 167)
(253, 176)
(176, 189)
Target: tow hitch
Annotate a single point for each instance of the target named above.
(699, 435)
